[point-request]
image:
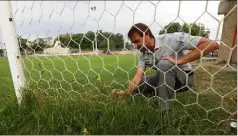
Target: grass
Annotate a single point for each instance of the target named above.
(65, 97)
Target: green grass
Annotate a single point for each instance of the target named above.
(65, 97)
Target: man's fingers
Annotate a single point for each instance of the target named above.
(114, 92)
(169, 58)
(118, 93)
(165, 58)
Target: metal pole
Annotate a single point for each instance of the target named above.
(13, 52)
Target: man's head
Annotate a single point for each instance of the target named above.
(136, 36)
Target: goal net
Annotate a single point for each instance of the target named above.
(76, 52)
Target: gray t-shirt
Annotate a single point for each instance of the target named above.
(169, 45)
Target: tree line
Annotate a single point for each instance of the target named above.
(196, 29)
(90, 40)
(87, 41)
(102, 40)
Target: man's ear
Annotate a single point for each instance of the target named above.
(147, 35)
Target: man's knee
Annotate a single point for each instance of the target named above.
(187, 84)
(164, 65)
(191, 80)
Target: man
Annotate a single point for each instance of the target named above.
(165, 54)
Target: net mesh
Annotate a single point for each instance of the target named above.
(79, 51)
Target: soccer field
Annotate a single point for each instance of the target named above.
(71, 95)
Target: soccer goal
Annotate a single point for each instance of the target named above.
(79, 51)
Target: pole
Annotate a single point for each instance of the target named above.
(13, 52)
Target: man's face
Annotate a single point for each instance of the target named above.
(137, 41)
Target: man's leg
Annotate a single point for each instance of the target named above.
(184, 80)
(148, 86)
(157, 85)
(168, 78)
(165, 90)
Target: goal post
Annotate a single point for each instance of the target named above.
(12, 47)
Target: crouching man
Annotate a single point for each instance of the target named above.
(165, 53)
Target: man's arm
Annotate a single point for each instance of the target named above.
(132, 84)
(136, 80)
(204, 45)
(138, 77)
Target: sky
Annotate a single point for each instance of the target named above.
(50, 18)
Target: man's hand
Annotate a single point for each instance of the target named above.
(119, 93)
(173, 60)
(132, 84)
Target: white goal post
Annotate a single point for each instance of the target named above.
(12, 46)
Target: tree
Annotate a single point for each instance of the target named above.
(117, 41)
(87, 41)
(76, 38)
(63, 38)
(128, 46)
(171, 27)
(22, 43)
(39, 44)
(101, 41)
(196, 29)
